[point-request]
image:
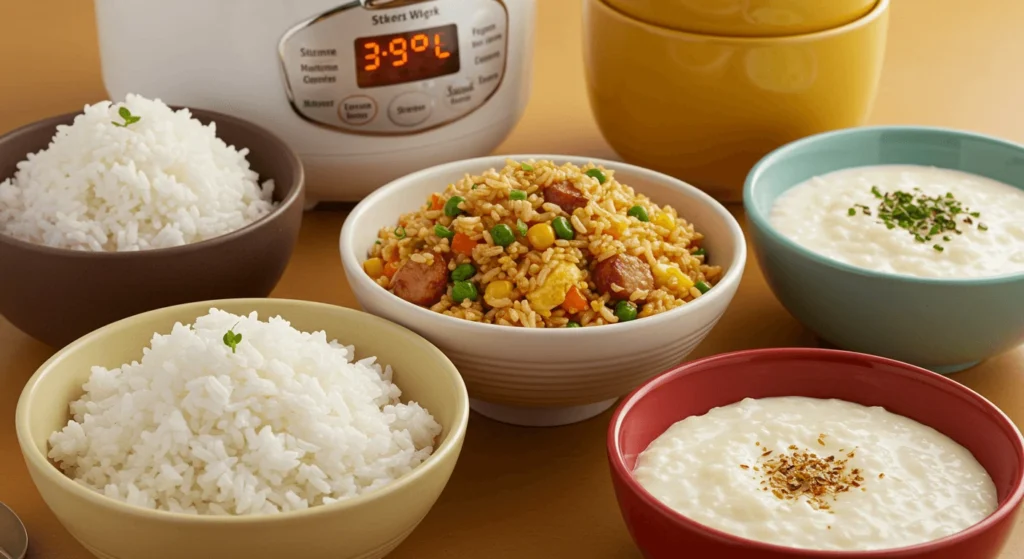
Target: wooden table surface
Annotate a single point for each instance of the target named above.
(949, 63)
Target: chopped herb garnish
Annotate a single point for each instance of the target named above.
(521, 228)
(920, 215)
(399, 232)
(474, 187)
(377, 242)
(232, 339)
(128, 117)
(443, 232)
(527, 167)
(983, 227)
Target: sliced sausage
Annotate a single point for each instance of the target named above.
(421, 284)
(626, 271)
(565, 196)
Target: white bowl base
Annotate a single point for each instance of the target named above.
(526, 416)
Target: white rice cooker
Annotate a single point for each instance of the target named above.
(365, 90)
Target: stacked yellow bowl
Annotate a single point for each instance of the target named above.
(702, 89)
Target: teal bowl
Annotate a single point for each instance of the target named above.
(945, 325)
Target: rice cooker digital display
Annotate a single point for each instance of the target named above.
(395, 67)
(407, 57)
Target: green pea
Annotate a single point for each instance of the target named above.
(399, 232)
(597, 174)
(572, 324)
(451, 207)
(463, 272)
(521, 228)
(563, 228)
(463, 290)
(443, 232)
(474, 187)
(625, 310)
(703, 286)
(699, 252)
(638, 212)
(517, 195)
(502, 235)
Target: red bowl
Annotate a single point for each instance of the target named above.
(696, 387)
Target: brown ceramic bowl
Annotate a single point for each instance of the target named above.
(58, 295)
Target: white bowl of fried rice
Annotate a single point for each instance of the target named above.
(556, 284)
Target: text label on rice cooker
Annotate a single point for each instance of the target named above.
(433, 65)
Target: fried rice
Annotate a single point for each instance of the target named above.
(549, 273)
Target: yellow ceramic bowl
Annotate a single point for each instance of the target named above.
(746, 18)
(365, 527)
(706, 108)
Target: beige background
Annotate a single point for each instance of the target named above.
(950, 63)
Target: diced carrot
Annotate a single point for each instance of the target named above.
(436, 202)
(462, 244)
(390, 268)
(574, 301)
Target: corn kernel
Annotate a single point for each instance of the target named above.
(619, 226)
(499, 289)
(670, 276)
(665, 219)
(373, 267)
(541, 236)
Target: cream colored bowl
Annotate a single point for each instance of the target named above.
(550, 376)
(706, 108)
(364, 527)
(746, 18)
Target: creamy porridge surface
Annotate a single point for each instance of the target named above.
(838, 215)
(892, 482)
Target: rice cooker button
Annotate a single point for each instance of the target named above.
(410, 109)
(357, 109)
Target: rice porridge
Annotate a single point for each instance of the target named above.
(817, 474)
(909, 220)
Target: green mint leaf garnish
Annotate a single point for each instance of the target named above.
(232, 339)
(128, 117)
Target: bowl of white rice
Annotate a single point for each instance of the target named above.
(131, 206)
(257, 428)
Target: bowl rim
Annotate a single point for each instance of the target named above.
(359, 281)
(1003, 510)
(762, 223)
(448, 449)
(849, 16)
(880, 8)
(295, 196)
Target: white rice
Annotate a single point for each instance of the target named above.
(286, 422)
(161, 182)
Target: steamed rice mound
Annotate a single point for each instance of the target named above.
(284, 422)
(165, 180)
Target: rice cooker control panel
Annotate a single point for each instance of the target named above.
(392, 67)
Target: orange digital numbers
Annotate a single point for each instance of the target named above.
(373, 55)
(419, 43)
(438, 49)
(398, 47)
(415, 55)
